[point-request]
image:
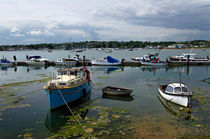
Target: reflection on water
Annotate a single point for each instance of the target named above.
(153, 69)
(176, 110)
(120, 98)
(58, 118)
(107, 69)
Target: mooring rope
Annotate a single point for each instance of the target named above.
(21, 95)
(73, 113)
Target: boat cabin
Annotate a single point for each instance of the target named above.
(176, 88)
(191, 55)
(149, 57)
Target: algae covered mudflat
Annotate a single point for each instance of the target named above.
(143, 115)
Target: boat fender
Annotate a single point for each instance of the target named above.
(154, 61)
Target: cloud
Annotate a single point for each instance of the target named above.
(15, 29)
(16, 32)
(38, 33)
(151, 20)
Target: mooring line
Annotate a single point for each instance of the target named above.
(73, 114)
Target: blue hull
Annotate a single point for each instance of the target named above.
(69, 94)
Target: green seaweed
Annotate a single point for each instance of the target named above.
(94, 126)
(22, 83)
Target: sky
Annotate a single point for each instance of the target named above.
(58, 21)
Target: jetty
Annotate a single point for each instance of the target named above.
(126, 63)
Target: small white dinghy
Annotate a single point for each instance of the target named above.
(176, 92)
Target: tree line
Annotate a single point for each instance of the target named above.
(103, 44)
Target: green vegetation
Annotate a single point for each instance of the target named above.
(106, 44)
(22, 83)
(106, 122)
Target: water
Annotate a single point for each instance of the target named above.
(148, 115)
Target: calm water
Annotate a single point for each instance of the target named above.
(148, 115)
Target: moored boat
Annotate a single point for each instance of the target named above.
(37, 61)
(107, 61)
(176, 92)
(151, 60)
(5, 63)
(184, 57)
(70, 84)
(68, 61)
(116, 91)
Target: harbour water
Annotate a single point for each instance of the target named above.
(144, 114)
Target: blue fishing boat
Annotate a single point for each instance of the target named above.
(69, 85)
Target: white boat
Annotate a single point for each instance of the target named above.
(37, 61)
(5, 63)
(176, 92)
(66, 61)
(184, 57)
(151, 60)
(137, 58)
(108, 50)
(107, 61)
(147, 57)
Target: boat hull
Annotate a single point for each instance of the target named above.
(31, 63)
(174, 59)
(6, 64)
(153, 64)
(114, 91)
(69, 94)
(66, 63)
(180, 100)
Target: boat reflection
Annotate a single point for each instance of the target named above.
(120, 98)
(107, 69)
(59, 117)
(176, 110)
(153, 69)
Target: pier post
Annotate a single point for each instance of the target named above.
(122, 61)
(188, 60)
(83, 61)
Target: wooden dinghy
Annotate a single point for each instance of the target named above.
(117, 91)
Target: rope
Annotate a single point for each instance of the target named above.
(73, 113)
(22, 95)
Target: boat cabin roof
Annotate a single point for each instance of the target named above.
(176, 85)
(192, 54)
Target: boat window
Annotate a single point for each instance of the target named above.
(169, 89)
(62, 83)
(72, 83)
(62, 73)
(177, 89)
(184, 89)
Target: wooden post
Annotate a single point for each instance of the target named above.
(188, 60)
(83, 61)
(122, 61)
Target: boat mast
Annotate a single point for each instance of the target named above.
(180, 78)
